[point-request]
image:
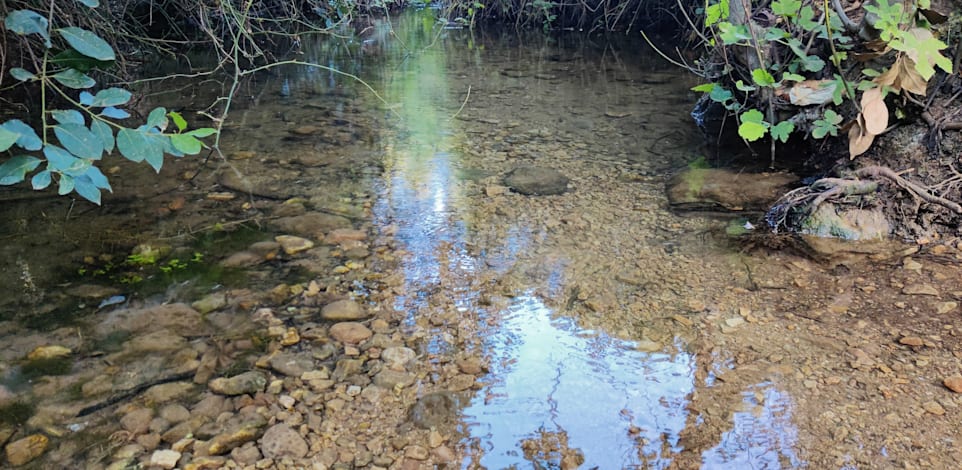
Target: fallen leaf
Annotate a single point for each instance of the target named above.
(876, 114)
(858, 140)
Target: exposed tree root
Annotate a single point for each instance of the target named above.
(800, 203)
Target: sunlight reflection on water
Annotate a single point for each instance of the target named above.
(593, 387)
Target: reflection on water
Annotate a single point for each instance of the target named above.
(763, 436)
(555, 395)
(621, 407)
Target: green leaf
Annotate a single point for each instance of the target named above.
(753, 125)
(787, 8)
(774, 34)
(15, 170)
(792, 77)
(72, 78)
(79, 140)
(111, 97)
(28, 137)
(185, 143)
(733, 34)
(87, 43)
(40, 180)
(741, 86)
(752, 115)
(870, 72)
(202, 132)
(720, 94)
(90, 3)
(22, 74)
(157, 118)
(806, 18)
(762, 77)
(87, 190)
(832, 116)
(86, 98)
(179, 120)
(104, 133)
(95, 177)
(115, 113)
(751, 131)
(72, 59)
(24, 22)
(716, 12)
(58, 158)
(782, 130)
(704, 88)
(68, 116)
(812, 63)
(138, 146)
(7, 139)
(66, 185)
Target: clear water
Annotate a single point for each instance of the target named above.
(455, 110)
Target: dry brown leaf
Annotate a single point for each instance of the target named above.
(910, 79)
(858, 140)
(875, 115)
(890, 78)
(809, 92)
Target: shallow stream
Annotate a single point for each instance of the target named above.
(581, 329)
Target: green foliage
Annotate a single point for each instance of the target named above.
(807, 49)
(86, 131)
(827, 125)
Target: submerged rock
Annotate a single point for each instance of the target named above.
(312, 224)
(293, 245)
(24, 450)
(536, 181)
(343, 310)
(248, 382)
(281, 441)
(716, 188)
(350, 332)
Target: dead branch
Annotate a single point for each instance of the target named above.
(915, 189)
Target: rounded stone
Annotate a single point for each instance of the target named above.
(281, 441)
(343, 310)
(350, 332)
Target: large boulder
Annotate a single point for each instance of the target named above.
(721, 189)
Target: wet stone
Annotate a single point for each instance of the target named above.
(210, 303)
(175, 413)
(434, 410)
(24, 450)
(460, 382)
(157, 341)
(292, 364)
(346, 368)
(248, 382)
(293, 245)
(390, 379)
(281, 441)
(397, 358)
(536, 181)
(241, 429)
(165, 458)
(312, 224)
(350, 332)
(137, 421)
(163, 393)
(343, 310)
(48, 352)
